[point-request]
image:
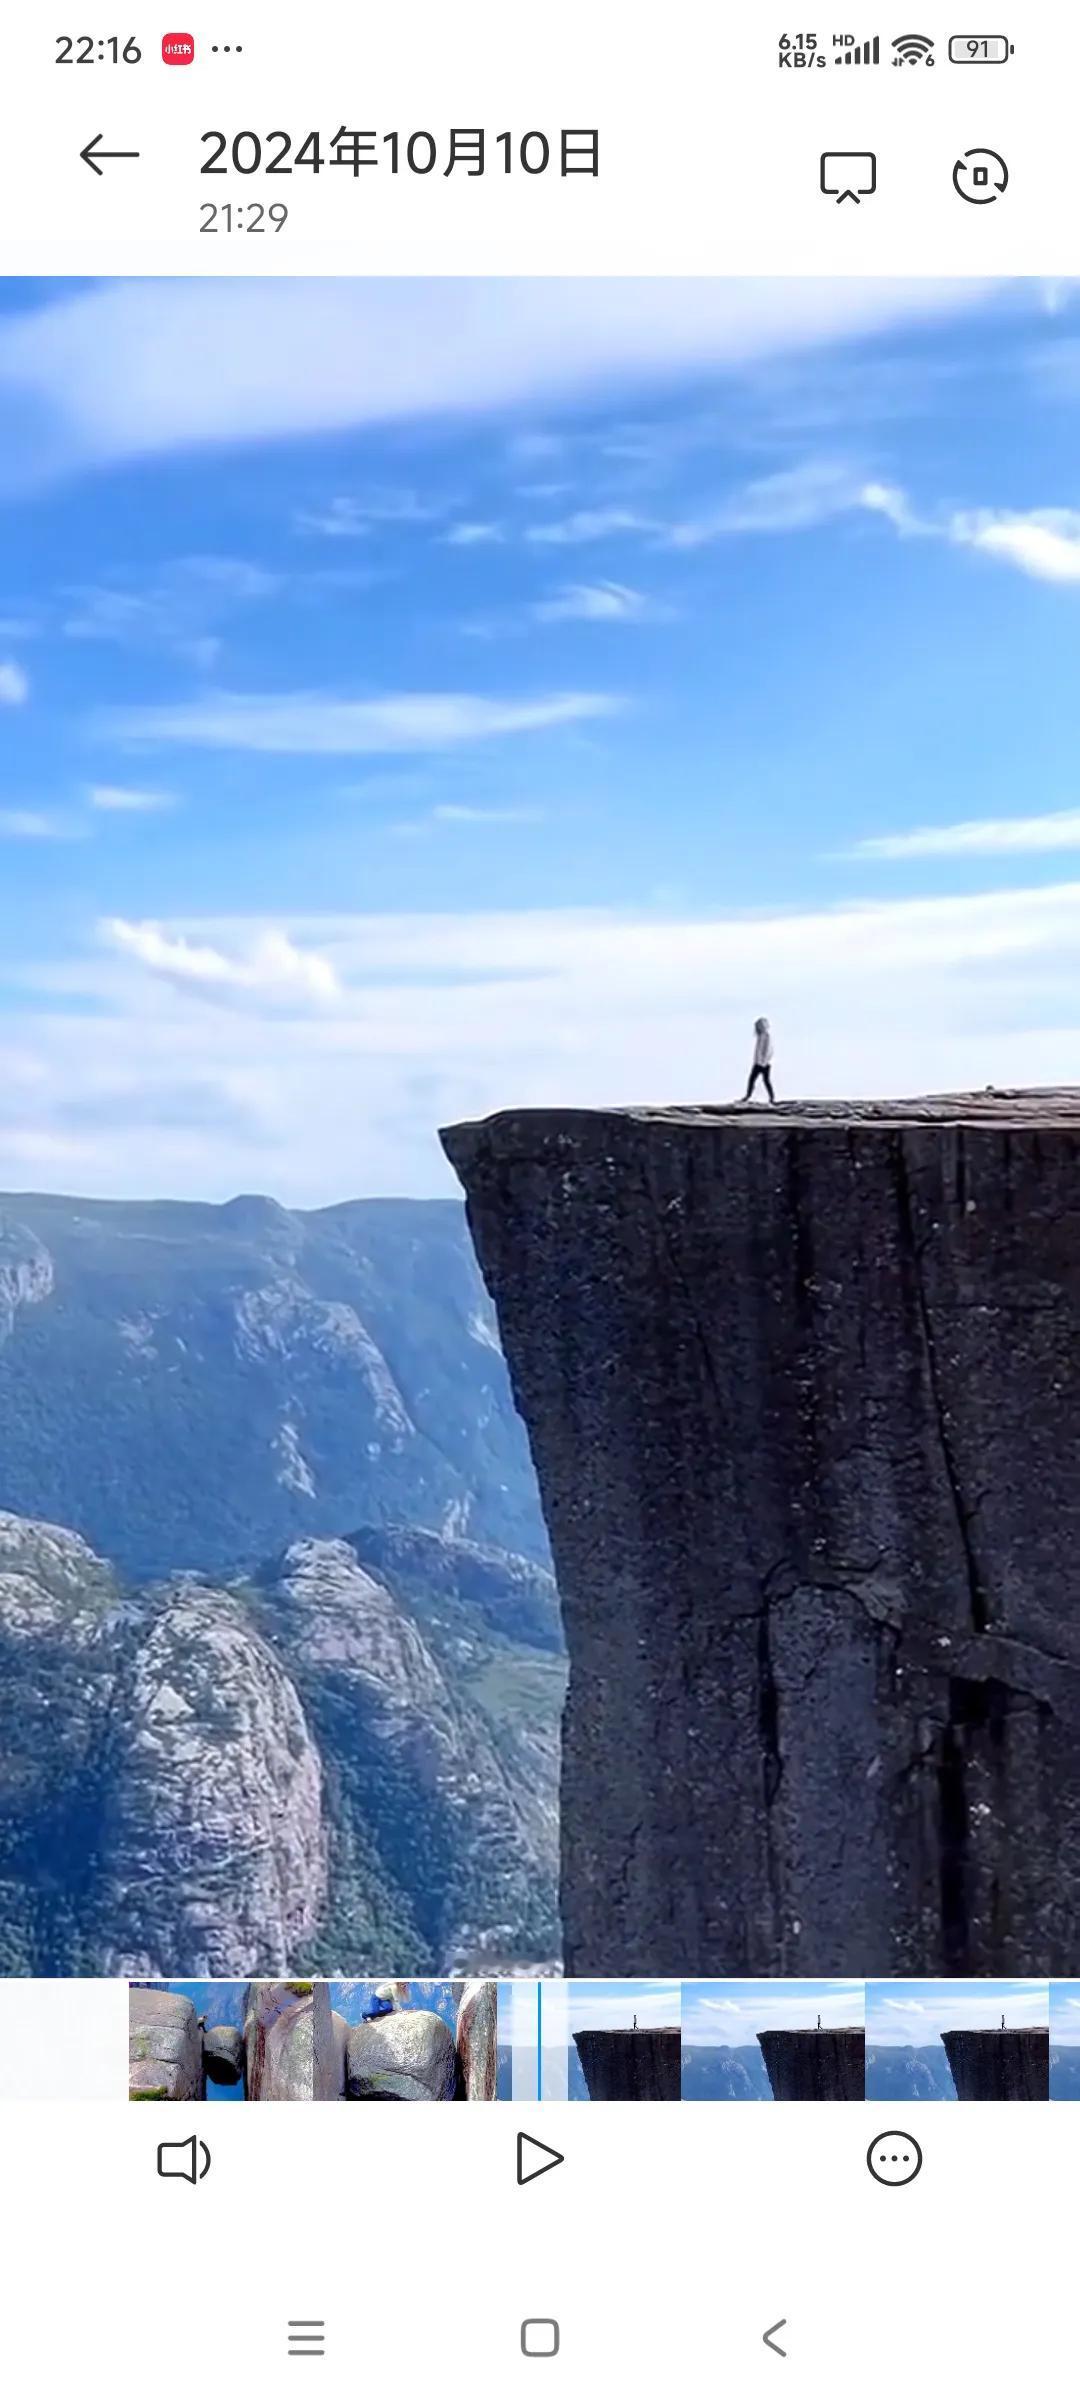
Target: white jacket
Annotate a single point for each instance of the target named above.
(763, 1049)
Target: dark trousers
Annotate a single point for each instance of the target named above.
(765, 1074)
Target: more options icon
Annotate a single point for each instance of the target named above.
(848, 175)
(980, 176)
(894, 2158)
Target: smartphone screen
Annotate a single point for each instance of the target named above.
(539, 1197)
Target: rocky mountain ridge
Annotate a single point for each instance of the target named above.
(310, 1766)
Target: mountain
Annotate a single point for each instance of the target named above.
(897, 2071)
(1065, 2072)
(713, 2072)
(346, 1756)
(193, 1388)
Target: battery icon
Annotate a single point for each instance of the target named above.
(980, 49)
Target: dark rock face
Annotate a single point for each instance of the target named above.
(407, 2056)
(1010, 2065)
(803, 1392)
(815, 2066)
(164, 2047)
(645, 2064)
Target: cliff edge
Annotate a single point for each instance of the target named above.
(803, 1392)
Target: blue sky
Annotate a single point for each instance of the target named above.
(609, 2005)
(731, 2015)
(1065, 2015)
(919, 2013)
(421, 698)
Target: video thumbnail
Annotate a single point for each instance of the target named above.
(412, 2041)
(313, 2041)
(773, 2041)
(958, 2041)
(221, 2041)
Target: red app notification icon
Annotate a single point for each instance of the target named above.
(178, 49)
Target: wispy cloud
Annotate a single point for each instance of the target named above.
(791, 501)
(591, 525)
(312, 724)
(117, 799)
(272, 967)
(1044, 542)
(473, 536)
(451, 813)
(14, 684)
(597, 604)
(125, 369)
(38, 825)
(977, 837)
(1040, 542)
(350, 517)
(180, 608)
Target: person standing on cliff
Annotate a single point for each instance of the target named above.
(763, 1058)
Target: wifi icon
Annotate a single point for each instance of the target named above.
(913, 50)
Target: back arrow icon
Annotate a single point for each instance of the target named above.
(768, 2340)
(93, 153)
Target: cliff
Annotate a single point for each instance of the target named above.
(816, 2066)
(1006, 2065)
(639, 2064)
(803, 1392)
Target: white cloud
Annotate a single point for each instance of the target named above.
(124, 369)
(14, 684)
(351, 517)
(312, 725)
(445, 1016)
(116, 799)
(1041, 542)
(473, 536)
(177, 609)
(791, 501)
(596, 604)
(37, 825)
(591, 525)
(450, 814)
(978, 837)
(271, 967)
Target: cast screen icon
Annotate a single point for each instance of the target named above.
(980, 176)
(848, 175)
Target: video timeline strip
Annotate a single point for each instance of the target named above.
(526, 2040)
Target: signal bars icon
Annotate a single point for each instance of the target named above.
(857, 54)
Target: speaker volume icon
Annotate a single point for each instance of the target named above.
(190, 2159)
